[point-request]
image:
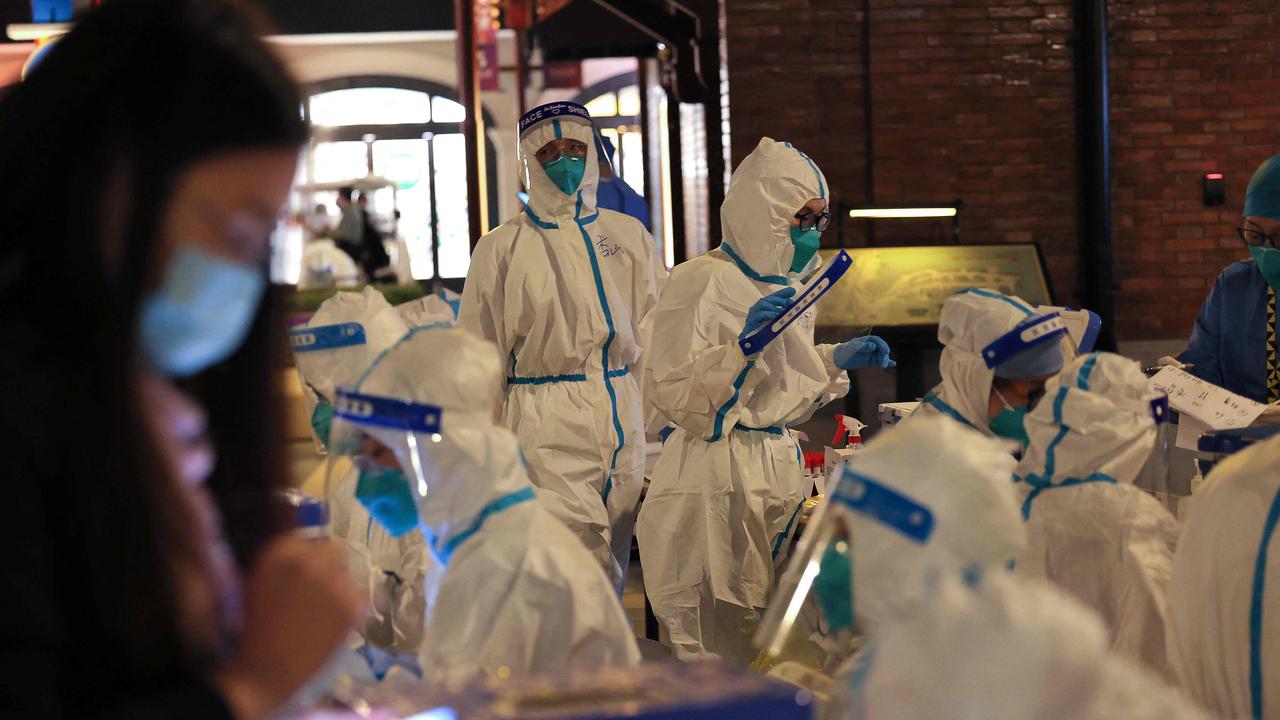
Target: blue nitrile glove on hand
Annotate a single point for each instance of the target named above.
(863, 352)
(766, 309)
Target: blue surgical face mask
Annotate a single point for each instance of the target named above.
(322, 420)
(806, 243)
(1010, 423)
(386, 494)
(201, 313)
(834, 586)
(566, 172)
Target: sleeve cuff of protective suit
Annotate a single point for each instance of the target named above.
(827, 352)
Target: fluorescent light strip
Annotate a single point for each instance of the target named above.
(929, 212)
(25, 32)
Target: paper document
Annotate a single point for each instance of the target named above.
(1202, 405)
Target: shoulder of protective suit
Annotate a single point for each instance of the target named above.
(625, 229)
(705, 269)
(504, 235)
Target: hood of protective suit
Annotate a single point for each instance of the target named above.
(971, 320)
(324, 370)
(768, 188)
(472, 462)
(964, 479)
(1224, 599)
(429, 310)
(1096, 417)
(539, 127)
(1002, 648)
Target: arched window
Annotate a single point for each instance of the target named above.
(408, 131)
(614, 105)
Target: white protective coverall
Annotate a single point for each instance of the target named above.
(564, 291)
(963, 478)
(725, 493)
(430, 310)
(1091, 531)
(971, 320)
(996, 646)
(518, 590)
(1224, 600)
(394, 570)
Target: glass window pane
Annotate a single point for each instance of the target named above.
(603, 106)
(629, 101)
(370, 106)
(633, 160)
(451, 199)
(405, 163)
(337, 161)
(446, 110)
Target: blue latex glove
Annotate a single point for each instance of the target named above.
(863, 352)
(766, 309)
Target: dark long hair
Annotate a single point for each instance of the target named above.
(92, 142)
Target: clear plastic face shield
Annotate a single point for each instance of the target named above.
(381, 440)
(1034, 334)
(814, 605)
(313, 349)
(565, 151)
(1035, 350)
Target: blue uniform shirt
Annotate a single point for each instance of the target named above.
(615, 194)
(1229, 342)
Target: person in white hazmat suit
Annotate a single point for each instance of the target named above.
(724, 495)
(1091, 531)
(518, 590)
(925, 497)
(564, 290)
(1224, 600)
(997, 355)
(994, 646)
(340, 341)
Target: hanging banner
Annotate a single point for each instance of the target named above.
(566, 74)
(486, 12)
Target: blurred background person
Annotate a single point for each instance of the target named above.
(149, 573)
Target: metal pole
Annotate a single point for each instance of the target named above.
(473, 124)
(435, 215)
(868, 130)
(678, 239)
(642, 79)
(522, 73)
(1093, 162)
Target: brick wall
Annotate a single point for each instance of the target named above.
(973, 99)
(1195, 89)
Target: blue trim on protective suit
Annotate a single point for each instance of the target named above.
(777, 544)
(997, 296)
(822, 188)
(551, 379)
(941, 406)
(772, 430)
(505, 502)
(1082, 383)
(1255, 609)
(604, 351)
(717, 429)
(539, 221)
(746, 269)
(1039, 485)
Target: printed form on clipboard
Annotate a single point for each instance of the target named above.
(1203, 406)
